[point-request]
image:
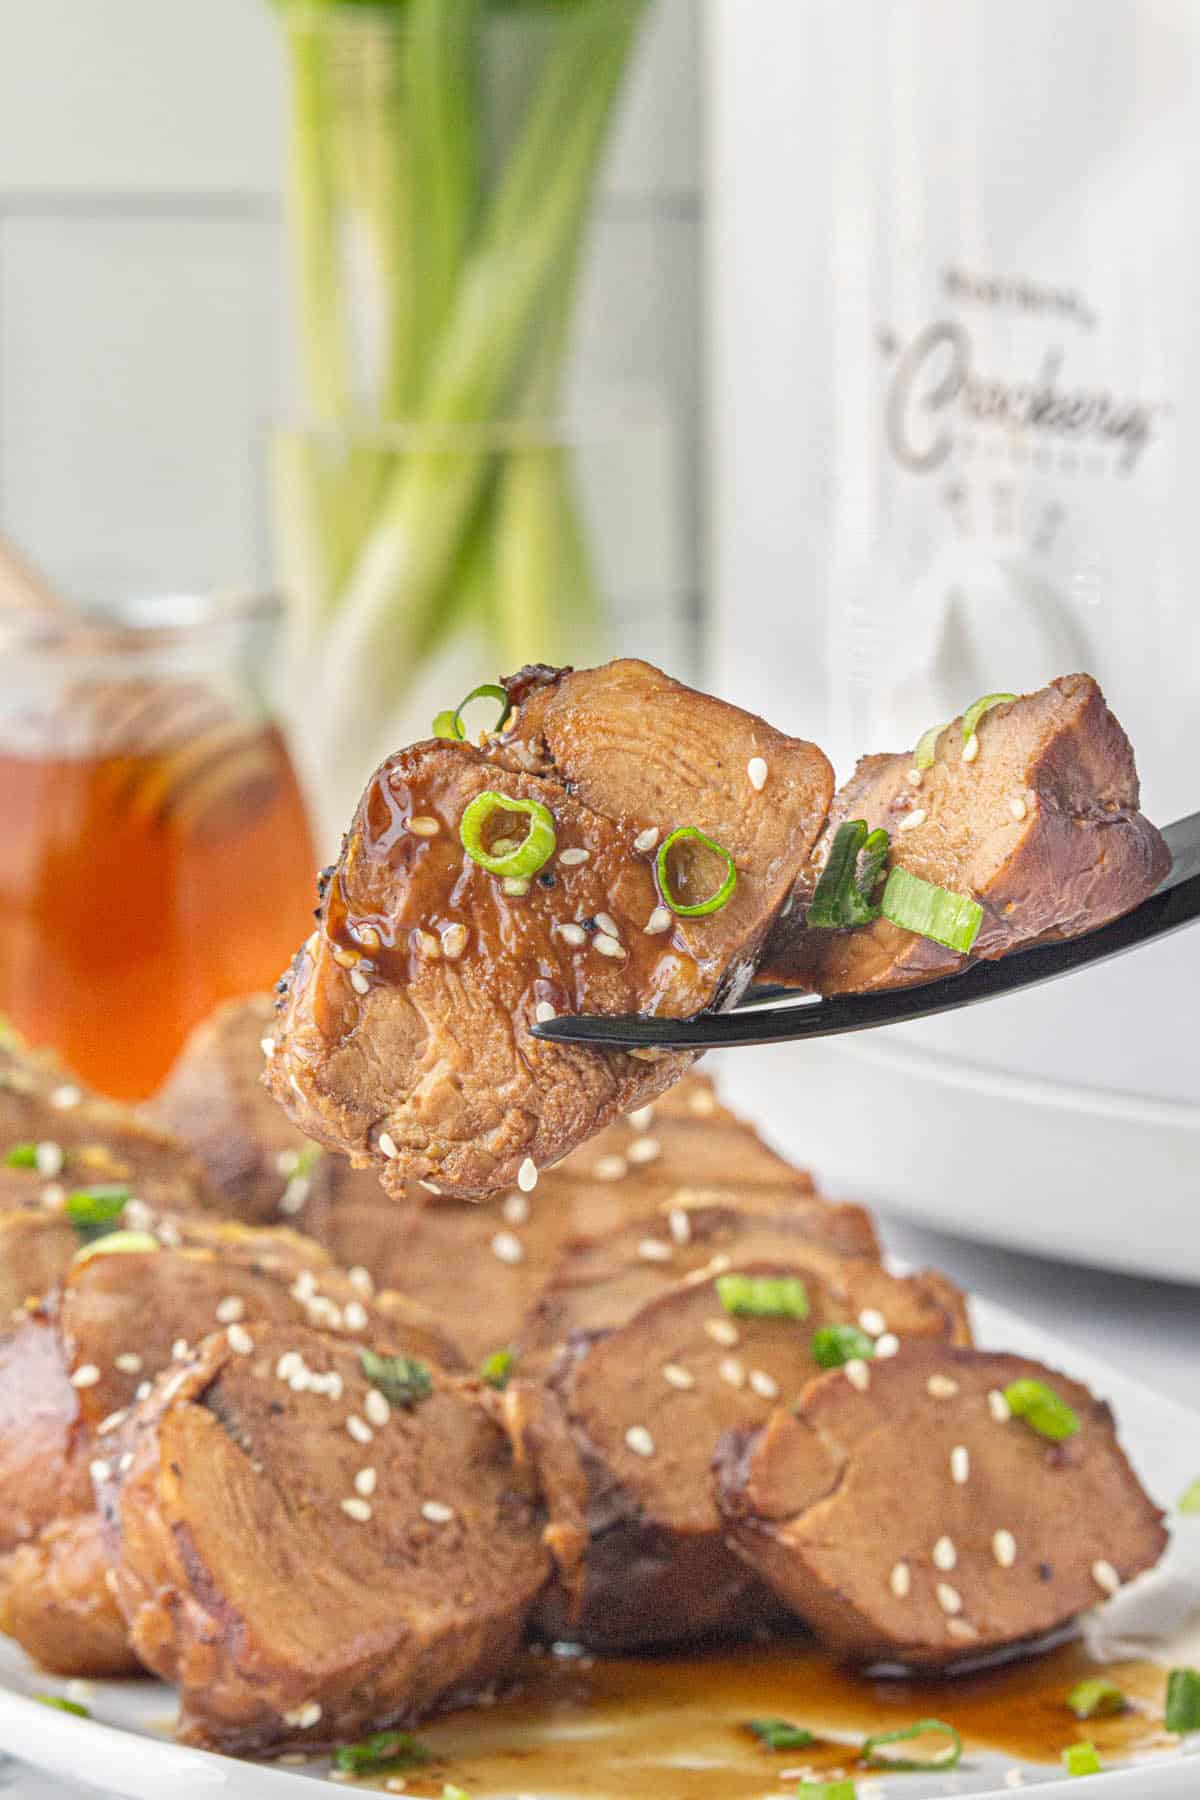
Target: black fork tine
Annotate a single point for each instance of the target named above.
(776, 1015)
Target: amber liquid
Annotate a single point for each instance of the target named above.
(132, 902)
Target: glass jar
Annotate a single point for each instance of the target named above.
(155, 854)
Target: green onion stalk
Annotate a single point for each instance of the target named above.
(443, 159)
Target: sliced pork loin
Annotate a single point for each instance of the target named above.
(916, 1521)
(1041, 827)
(310, 1560)
(405, 1037)
(646, 1404)
(36, 1249)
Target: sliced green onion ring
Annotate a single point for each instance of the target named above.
(692, 834)
(835, 1345)
(946, 1759)
(1189, 1500)
(778, 1734)
(21, 1156)
(450, 724)
(1183, 1701)
(495, 1369)
(1097, 1698)
(1041, 1409)
(401, 1379)
(763, 1296)
(446, 726)
(382, 1750)
(117, 1243)
(977, 709)
(828, 1790)
(1081, 1759)
(62, 1705)
(950, 919)
(90, 1207)
(925, 753)
(535, 848)
(843, 893)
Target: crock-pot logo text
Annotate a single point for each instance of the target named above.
(936, 391)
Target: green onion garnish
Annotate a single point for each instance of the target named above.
(396, 1749)
(835, 1345)
(450, 1792)
(720, 896)
(926, 751)
(116, 1243)
(21, 1156)
(450, 724)
(949, 1758)
(930, 911)
(90, 1207)
(445, 725)
(828, 1790)
(976, 711)
(777, 1734)
(535, 848)
(401, 1379)
(1183, 1701)
(843, 894)
(1097, 1698)
(1189, 1500)
(61, 1705)
(496, 1368)
(763, 1296)
(1081, 1759)
(1041, 1408)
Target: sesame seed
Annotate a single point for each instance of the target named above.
(376, 1407)
(941, 1387)
(971, 748)
(857, 1374)
(386, 1144)
(945, 1556)
(424, 826)
(570, 858)
(231, 1309)
(294, 1195)
(100, 1470)
(872, 1321)
(644, 1150)
(359, 1430)
(572, 934)
(722, 1331)
(362, 1279)
(678, 1377)
(732, 1371)
(886, 1346)
(239, 1340)
(646, 840)
(80, 1689)
(1014, 1778)
(48, 1160)
(368, 937)
(654, 1250)
(960, 1629)
(915, 778)
(359, 982)
(998, 1407)
(437, 1512)
(305, 1285)
(64, 1098)
(85, 1376)
(454, 942)
(303, 1716)
(396, 1784)
(1004, 1548)
(960, 1465)
(607, 923)
(1017, 807)
(639, 1440)
(543, 1012)
(900, 1580)
(364, 1482)
(756, 769)
(681, 1225)
(606, 945)
(354, 1316)
(910, 820)
(527, 1176)
(289, 1362)
(515, 1209)
(126, 1462)
(129, 1362)
(508, 1248)
(763, 1384)
(113, 1422)
(54, 1196)
(1105, 1576)
(504, 846)
(948, 1598)
(143, 1390)
(659, 921)
(354, 1508)
(610, 1168)
(516, 885)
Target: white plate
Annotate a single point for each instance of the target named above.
(124, 1750)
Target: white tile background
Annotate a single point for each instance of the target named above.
(143, 353)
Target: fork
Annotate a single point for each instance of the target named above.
(773, 1015)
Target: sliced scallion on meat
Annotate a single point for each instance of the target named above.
(777, 1734)
(1183, 1701)
(445, 725)
(383, 1749)
(21, 1156)
(828, 1790)
(61, 1705)
(401, 1379)
(932, 912)
(496, 1368)
(721, 894)
(976, 711)
(763, 1296)
(852, 869)
(96, 1208)
(118, 1243)
(947, 1758)
(1041, 1409)
(450, 724)
(534, 849)
(1097, 1698)
(835, 1345)
(1189, 1500)
(1081, 1759)
(926, 751)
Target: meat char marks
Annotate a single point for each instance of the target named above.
(405, 1037)
(1037, 820)
(918, 1521)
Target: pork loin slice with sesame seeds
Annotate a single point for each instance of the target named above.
(287, 1616)
(426, 1064)
(834, 1497)
(1041, 827)
(657, 1569)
